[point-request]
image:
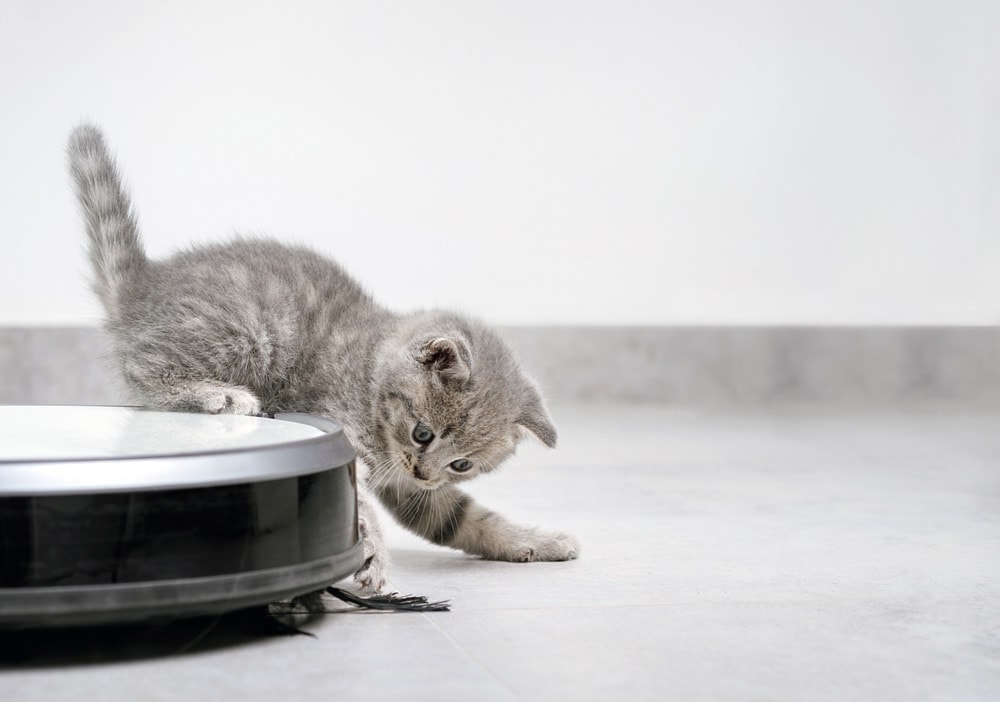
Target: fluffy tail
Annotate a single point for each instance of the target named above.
(116, 252)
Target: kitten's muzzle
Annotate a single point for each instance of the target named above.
(423, 482)
(417, 472)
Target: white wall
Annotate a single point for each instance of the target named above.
(733, 162)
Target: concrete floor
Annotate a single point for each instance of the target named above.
(727, 555)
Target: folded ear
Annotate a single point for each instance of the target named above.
(536, 421)
(449, 358)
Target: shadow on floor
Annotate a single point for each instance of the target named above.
(39, 648)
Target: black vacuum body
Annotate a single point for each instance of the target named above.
(114, 515)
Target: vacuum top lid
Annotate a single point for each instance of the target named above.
(81, 449)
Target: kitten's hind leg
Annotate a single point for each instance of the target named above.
(208, 396)
(219, 398)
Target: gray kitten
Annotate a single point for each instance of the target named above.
(429, 399)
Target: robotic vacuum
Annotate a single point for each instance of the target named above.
(120, 515)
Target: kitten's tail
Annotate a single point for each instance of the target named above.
(116, 251)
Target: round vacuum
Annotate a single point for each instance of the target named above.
(114, 514)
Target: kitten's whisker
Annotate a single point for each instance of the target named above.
(413, 505)
(381, 472)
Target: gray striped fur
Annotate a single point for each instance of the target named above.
(254, 325)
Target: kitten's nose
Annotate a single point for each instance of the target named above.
(418, 474)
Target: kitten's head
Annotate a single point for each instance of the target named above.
(452, 402)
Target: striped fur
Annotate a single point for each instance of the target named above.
(255, 325)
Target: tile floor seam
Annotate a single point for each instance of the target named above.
(468, 654)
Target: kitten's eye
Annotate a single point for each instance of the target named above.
(461, 465)
(422, 434)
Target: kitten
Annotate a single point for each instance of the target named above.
(429, 399)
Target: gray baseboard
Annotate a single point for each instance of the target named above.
(676, 365)
(56, 365)
(765, 365)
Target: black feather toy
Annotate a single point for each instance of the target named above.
(393, 602)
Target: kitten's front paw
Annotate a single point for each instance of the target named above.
(546, 546)
(371, 577)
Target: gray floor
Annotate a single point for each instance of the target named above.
(799, 555)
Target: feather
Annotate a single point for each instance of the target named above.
(391, 602)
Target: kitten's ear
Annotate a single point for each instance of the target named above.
(449, 358)
(536, 421)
